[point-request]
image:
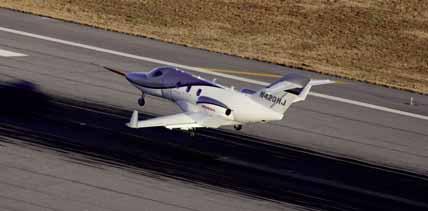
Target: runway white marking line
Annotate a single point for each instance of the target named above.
(201, 70)
(5, 53)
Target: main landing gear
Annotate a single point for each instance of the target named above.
(237, 127)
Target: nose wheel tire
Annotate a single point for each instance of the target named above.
(237, 127)
(141, 101)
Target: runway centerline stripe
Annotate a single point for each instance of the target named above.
(202, 70)
(5, 53)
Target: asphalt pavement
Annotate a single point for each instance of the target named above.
(65, 154)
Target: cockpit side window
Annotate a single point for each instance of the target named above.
(156, 73)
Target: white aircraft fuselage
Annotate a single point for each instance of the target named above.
(208, 104)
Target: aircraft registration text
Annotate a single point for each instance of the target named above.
(272, 98)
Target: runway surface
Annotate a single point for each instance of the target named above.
(266, 161)
(66, 155)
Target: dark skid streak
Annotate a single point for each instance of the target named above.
(213, 158)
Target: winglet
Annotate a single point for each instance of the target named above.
(133, 123)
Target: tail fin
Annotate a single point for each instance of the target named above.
(287, 90)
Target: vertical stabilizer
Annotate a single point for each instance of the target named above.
(289, 89)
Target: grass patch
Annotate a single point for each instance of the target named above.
(381, 42)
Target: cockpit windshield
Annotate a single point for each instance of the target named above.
(156, 73)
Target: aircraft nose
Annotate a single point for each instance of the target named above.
(136, 77)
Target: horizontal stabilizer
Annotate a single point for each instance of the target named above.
(287, 90)
(321, 82)
(304, 93)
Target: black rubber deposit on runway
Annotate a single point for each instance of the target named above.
(213, 158)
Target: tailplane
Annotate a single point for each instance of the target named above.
(287, 90)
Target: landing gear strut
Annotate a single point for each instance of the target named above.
(237, 127)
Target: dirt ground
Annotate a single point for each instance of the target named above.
(381, 42)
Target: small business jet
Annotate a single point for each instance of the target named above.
(208, 104)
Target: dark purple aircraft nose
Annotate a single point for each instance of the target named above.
(136, 77)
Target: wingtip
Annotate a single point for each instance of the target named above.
(133, 123)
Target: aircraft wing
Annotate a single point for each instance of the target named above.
(184, 121)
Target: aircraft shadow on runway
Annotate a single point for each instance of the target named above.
(213, 158)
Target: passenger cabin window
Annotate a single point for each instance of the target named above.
(188, 88)
(156, 73)
(198, 92)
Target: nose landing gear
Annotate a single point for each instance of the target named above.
(141, 101)
(237, 127)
